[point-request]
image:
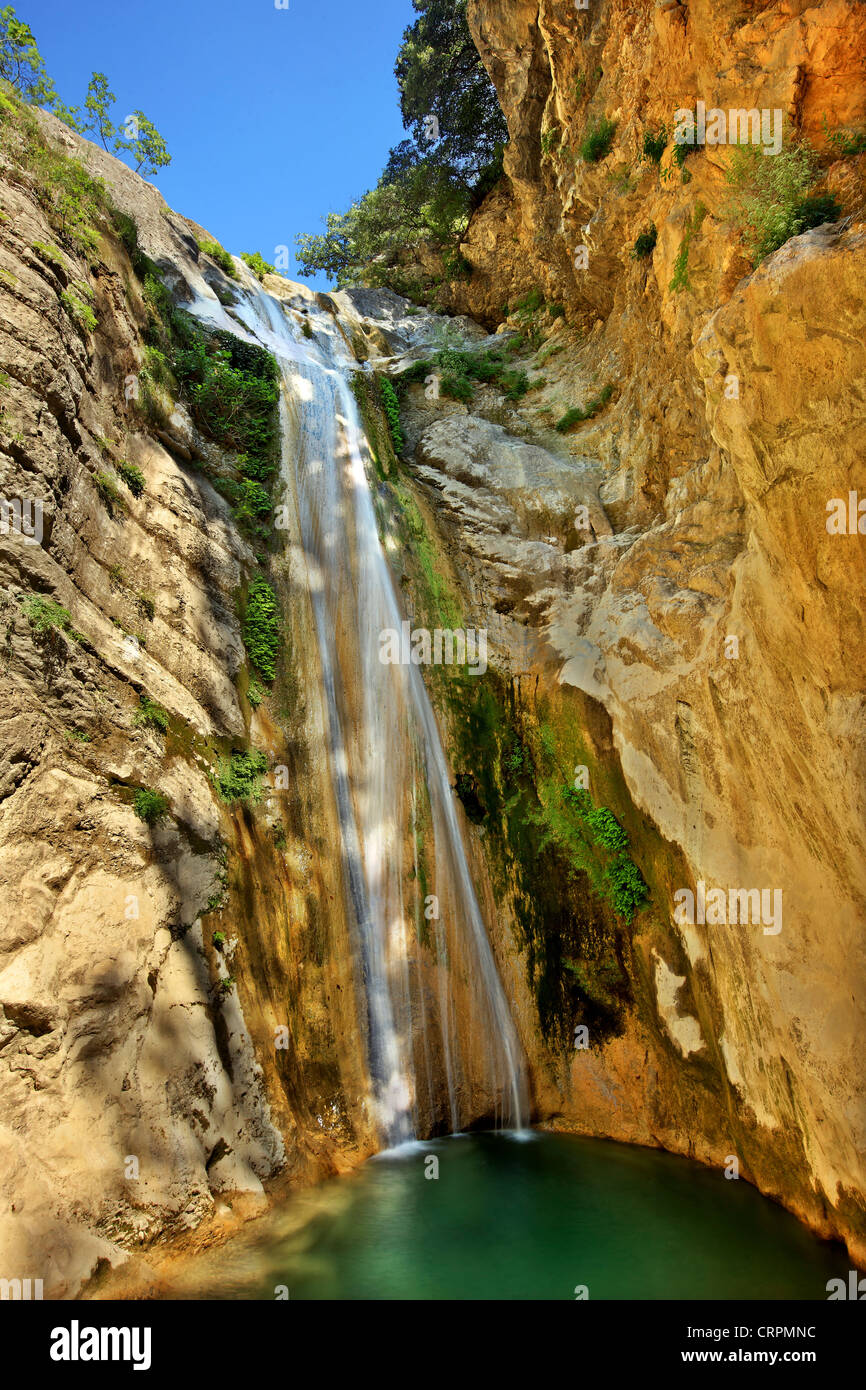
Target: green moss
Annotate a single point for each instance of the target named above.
(391, 406)
(81, 312)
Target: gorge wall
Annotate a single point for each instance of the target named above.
(145, 971)
(737, 414)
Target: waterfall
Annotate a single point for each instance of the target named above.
(442, 1047)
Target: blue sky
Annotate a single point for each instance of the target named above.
(272, 117)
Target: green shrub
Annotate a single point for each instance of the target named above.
(80, 312)
(655, 144)
(577, 415)
(109, 493)
(774, 199)
(146, 606)
(255, 692)
(132, 476)
(222, 257)
(645, 244)
(48, 252)
(598, 141)
(151, 715)
(628, 891)
(391, 405)
(556, 311)
(845, 144)
(549, 141)
(531, 303)
(257, 264)
(240, 779)
(149, 806)
(44, 615)
(261, 629)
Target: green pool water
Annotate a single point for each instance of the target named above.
(513, 1217)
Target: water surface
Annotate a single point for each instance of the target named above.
(523, 1217)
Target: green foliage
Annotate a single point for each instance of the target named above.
(530, 303)
(628, 892)
(845, 144)
(655, 143)
(597, 141)
(44, 616)
(97, 103)
(556, 311)
(81, 312)
(773, 198)
(146, 606)
(257, 264)
(391, 407)
(150, 806)
(21, 63)
(151, 715)
(645, 244)
(578, 414)
(132, 476)
(606, 829)
(144, 142)
(109, 493)
(261, 629)
(434, 180)
(48, 251)
(240, 778)
(549, 141)
(221, 256)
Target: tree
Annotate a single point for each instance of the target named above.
(433, 180)
(21, 62)
(99, 98)
(145, 144)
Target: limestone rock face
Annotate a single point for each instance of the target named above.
(139, 1068)
(704, 606)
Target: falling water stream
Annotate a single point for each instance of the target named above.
(388, 766)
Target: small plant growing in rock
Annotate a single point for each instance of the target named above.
(146, 606)
(257, 264)
(150, 806)
(598, 141)
(219, 940)
(79, 311)
(240, 779)
(151, 715)
(45, 616)
(655, 144)
(645, 244)
(109, 493)
(221, 256)
(261, 629)
(132, 476)
(578, 414)
(307, 328)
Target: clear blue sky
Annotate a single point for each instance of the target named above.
(273, 118)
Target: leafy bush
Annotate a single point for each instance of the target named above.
(257, 264)
(240, 779)
(577, 415)
(845, 144)
(221, 256)
(598, 141)
(774, 199)
(556, 311)
(132, 476)
(149, 806)
(44, 615)
(151, 715)
(645, 244)
(530, 303)
(261, 629)
(628, 891)
(655, 144)
(81, 312)
(391, 407)
(109, 493)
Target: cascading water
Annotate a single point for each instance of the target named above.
(438, 1024)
